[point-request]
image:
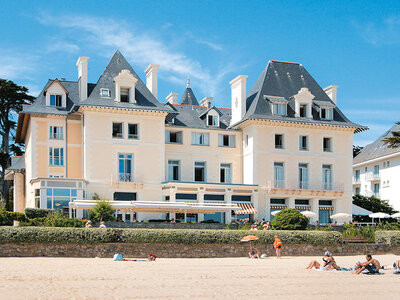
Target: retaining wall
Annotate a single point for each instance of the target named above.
(185, 251)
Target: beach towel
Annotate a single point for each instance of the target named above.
(118, 257)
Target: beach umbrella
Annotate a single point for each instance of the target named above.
(308, 213)
(249, 238)
(340, 216)
(275, 212)
(379, 215)
(396, 215)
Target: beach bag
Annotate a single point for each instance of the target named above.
(118, 257)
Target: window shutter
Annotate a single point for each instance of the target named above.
(167, 136)
(206, 138)
(220, 140)
(232, 141)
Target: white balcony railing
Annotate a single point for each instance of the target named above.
(306, 185)
(125, 177)
(372, 176)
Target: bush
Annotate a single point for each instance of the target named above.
(289, 219)
(7, 218)
(33, 222)
(32, 213)
(162, 236)
(391, 238)
(103, 211)
(355, 231)
(58, 220)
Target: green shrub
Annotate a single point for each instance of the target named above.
(33, 222)
(103, 211)
(7, 218)
(32, 213)
(367, 232)
(162, 236)
(388, 226)
(391, 238)
(289, 219)
(58, 220)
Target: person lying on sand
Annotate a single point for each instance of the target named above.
(328, 263)
(372, 265)
(396, 266)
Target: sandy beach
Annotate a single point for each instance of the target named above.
(213, 278)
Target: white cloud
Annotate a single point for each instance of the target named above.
(385, 32)
(139, 47)
(56, 45)
(15, 65)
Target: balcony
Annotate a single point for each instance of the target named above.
(289, 187)
(356, 180)
(371, 193)
(372, 176)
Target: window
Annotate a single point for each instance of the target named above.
(246, 140)
(200, 171)
(301, 202)
(173, 137)
(357, 176)
(279, 109)
(199, 138)
(56, 100)
(357, 191)
(173, 170)
(376, 171)
(105, 93)
(56, 132)
(133, 132)
(387, 164)
(226, 140)
(327, 113)
(124, 94)
(212, 120)
(241, 198)
(37, 198)
(366, 169)
(56, 156)
(326, 177)
(125, 163)
(117, 130)
(58, 198)
(303, 111)
(376, 189)
(278, 141)
(225, 173)
(324, 216)
(327, 145)
(279, 178)
(325, 202)
(303, 142)
(303, 176)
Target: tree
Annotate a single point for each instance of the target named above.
(356, 150)
(373, 204)
(290, 219)
(394, 140)
(103, 211)
(12, 97)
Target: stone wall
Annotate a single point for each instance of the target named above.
(185, 251)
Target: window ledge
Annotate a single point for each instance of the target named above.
(199, 145)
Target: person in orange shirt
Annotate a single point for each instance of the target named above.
(278, 246)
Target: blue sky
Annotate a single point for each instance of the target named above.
(353, 44)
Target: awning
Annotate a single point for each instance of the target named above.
(359, 211)
(246, 209)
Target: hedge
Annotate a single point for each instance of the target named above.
(8, 217)
(162, 236)
(32, 213)
(391, 238)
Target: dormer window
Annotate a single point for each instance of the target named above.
(124, 95)
(56, 100)
(303, 111)
(326, 113)
(213, 120)
(105, 93)
(279, 108)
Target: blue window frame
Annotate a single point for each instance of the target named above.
(56, 156)
(57, 198)
(125, 162)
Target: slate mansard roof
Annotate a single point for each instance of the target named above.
(377, 148)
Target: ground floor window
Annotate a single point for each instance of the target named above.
(190, 218)
(57, 198)
(217, 217)
(324, 216)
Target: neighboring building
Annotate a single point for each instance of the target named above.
(285, 144)
(376, 171)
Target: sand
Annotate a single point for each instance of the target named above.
(212, 278)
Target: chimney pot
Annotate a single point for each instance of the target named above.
(172, 98)
(206, 101)
(331, 91)
(151, 78)
(238, 98)
(82, 65)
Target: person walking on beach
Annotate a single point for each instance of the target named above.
(278, 246)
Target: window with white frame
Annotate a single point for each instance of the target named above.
(200, 138)
(278, 141)
(125, 167)
(303, 176)
(279, 175)
(225, 173)
(326, 113)
(303, 142)
(327, 144)
(200, 171)
(303, 111)
(56, 133)
(105, 93)
(173, 137)
(326, 177)
(124, 94)
(56, 156)
(56, 100)
(133, 131)
(212, 120)
(279, 108)
(173, 170)
(226, 140)
(117, 130)
(357, 176)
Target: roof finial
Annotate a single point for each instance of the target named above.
(188, 82)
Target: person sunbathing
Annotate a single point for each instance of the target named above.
(254, 253)
(328, 263)
(371, 265)
(396, 266)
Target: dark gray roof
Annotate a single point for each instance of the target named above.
(377, 148)
(17, 163)
(190, 116)
(188, 97)
(283, 79)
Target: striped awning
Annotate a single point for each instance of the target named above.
(303, 207)
(326, 208)
(246, 209)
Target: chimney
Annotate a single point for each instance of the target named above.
(172, 98)
(151, 78)
(238, 98)
(206, 101)
(331, 91)
(82, 65)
